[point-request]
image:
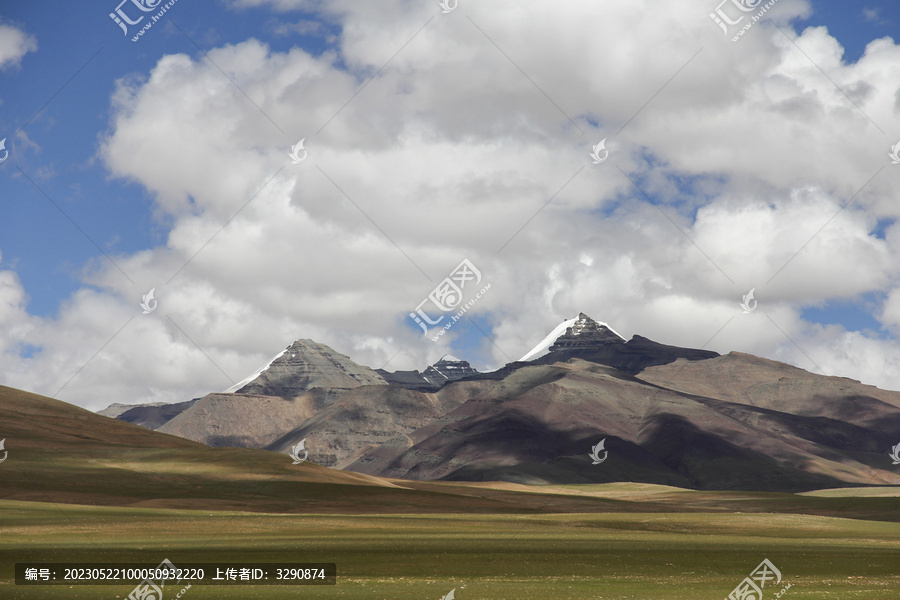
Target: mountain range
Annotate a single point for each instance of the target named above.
(666, 415)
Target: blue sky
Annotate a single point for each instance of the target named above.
(60, 99)
(65, 209)
(855, 24)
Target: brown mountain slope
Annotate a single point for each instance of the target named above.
(244, 420)
(676, 416)
(276, 408)
(61, 453)
(65, 455)
(36, 423)
(748, 379)
(539, 424)
(305, 365)
(151, 416)
(367, 418)
(338, 427)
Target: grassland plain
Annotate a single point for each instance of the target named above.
(78, 487)
(640, 556)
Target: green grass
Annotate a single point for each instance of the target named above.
(640, 556)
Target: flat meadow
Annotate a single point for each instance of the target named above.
(640, 556)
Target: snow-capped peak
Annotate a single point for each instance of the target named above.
(582, 321)
(578, 325)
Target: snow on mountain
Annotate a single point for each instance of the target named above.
(580, 323)
(304, 365)
(450, 368)
(254, 374)
(585, 322)
(544, 345)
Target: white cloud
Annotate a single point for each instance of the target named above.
(450, 152)
(14, 44)
(301, 27)
(871, 14)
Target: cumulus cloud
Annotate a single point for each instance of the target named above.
(14, 44)
(732, 165)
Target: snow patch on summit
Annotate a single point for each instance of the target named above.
(582, 321)
(577, 324)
